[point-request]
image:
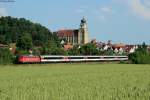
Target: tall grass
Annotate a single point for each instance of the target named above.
(75, 82)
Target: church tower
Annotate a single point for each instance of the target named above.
(83, 32)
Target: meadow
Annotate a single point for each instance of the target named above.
(75, 82)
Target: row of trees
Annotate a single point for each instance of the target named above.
(89, 49)
(140, 56)
(52, 49)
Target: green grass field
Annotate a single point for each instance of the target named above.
(75, 82)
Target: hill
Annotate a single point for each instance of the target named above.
(25, 32)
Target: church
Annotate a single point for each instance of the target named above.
(75, 36)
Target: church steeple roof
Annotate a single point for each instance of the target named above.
(83, 20)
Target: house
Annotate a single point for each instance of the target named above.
(68, 47)
(130, 48)
(3, 46)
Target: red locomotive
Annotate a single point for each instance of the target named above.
(29, 59)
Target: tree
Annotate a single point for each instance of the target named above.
(89, 49)
(74, 50)
(58, 51)
(6, 56)
(141, 55)
(24, 41)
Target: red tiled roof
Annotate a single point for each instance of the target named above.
(65, 33)
(68, 46)
(120, 45)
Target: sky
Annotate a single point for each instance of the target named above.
(122, 21)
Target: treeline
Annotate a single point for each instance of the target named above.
(89, 49)
(141, 55)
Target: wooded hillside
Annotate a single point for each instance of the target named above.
(12, 28)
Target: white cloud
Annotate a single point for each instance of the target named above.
(3, 12)
(140, 9)
(103, 13)
(137, 7)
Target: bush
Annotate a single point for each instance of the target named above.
(140, 56)
(6, 57)
(21, 52)
(123, 62)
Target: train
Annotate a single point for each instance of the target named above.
(30, 59)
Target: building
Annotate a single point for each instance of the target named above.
(3, 46)
(75, 36)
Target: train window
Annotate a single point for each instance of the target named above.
(53, 57)
(109, 57)
(75, 57)
(122, 57)
(93, 57)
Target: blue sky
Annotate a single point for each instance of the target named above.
(122, 21)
